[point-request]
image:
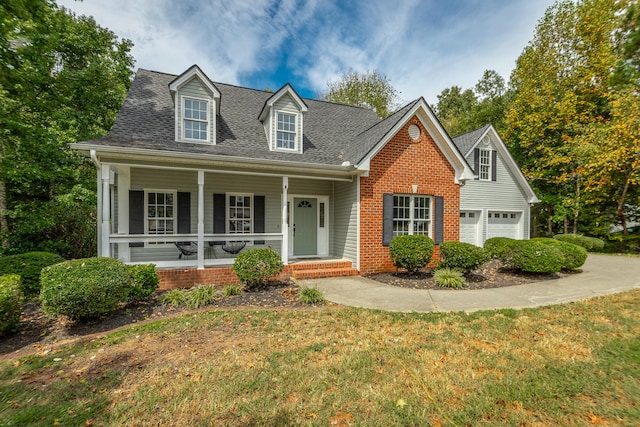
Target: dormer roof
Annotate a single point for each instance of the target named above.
(195, 72)
(287, 89)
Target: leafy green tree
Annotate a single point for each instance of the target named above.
(462, 111)
(62, 80)
(370, 90)
(454, 109)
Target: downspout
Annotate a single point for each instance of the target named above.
(94, 159)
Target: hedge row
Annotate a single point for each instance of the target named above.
(591, 244)
(538, 255)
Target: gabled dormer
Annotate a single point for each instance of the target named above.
(282, 117)
(197, 104)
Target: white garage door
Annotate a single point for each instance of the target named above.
(503, 224)
(469, 227)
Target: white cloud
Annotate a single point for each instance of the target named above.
(422, 46)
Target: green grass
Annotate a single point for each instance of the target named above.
(577, 364)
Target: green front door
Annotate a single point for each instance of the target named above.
(305, 226)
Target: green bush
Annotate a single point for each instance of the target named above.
(144, 281)
(496, 245)
(10, 303)
(462, 256)
(85, 288)
(28, 266)
(448, 278)
(591, 244)
(255, 266)
(573, 256)
(174, 297)
(310, 296)
(411, 252)
(619, 243)
(532, 257)
(201, 296)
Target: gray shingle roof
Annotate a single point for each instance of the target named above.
(467, 140)
(333, 133)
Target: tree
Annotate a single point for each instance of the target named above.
(369, 90)
(454, 109)
(462, 111)
(561, 90)
(62, 79)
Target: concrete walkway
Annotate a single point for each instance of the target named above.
(602, 275)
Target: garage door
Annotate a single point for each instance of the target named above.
(503, 224)
(469, 227)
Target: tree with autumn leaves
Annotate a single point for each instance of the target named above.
(572, 123)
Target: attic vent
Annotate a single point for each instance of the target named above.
(414, 132)
(486, 140)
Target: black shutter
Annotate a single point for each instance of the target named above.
(219, 213)
(494, 165)
(476, 162)
(184, 213)
(438, 232)
(136, 215)
(387, 219)
(258, 217)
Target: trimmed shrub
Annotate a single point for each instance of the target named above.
(462, 256)
(591, 244)
(10, 303)
(85, 288)
(411, 252)
(448, 278)
(310, 296)
(28, 266)
(496, 245)
(144, 281)
(532, 257)
(255, 266)
(573, 256)
(620, 243)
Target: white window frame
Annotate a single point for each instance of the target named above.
(174, 218)
(207, 121)
(228, 217)
(412, 221)
(286, 131)
(484, 164)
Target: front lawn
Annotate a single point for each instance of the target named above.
(576, 364)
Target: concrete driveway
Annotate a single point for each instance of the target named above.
(602, 275)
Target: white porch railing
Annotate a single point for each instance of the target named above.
(206, 255)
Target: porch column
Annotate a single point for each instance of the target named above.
(99, 210)
(201, 220)
(124, 185)
(284, 248)
(106, 211)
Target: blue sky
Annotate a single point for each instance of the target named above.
(423, 46)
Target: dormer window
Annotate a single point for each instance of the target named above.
(196, 119)
(286, 133)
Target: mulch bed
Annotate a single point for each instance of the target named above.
(492, 275)
(38, 333)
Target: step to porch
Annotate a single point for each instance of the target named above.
(322, 269)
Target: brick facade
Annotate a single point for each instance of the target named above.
(402, 163)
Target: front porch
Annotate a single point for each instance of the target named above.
(145, 210)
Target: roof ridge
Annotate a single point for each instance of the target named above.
(388, 117)
(471, 131)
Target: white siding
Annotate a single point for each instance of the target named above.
(345, 217)
(504, 195)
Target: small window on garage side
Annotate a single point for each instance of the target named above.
(472, 214)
